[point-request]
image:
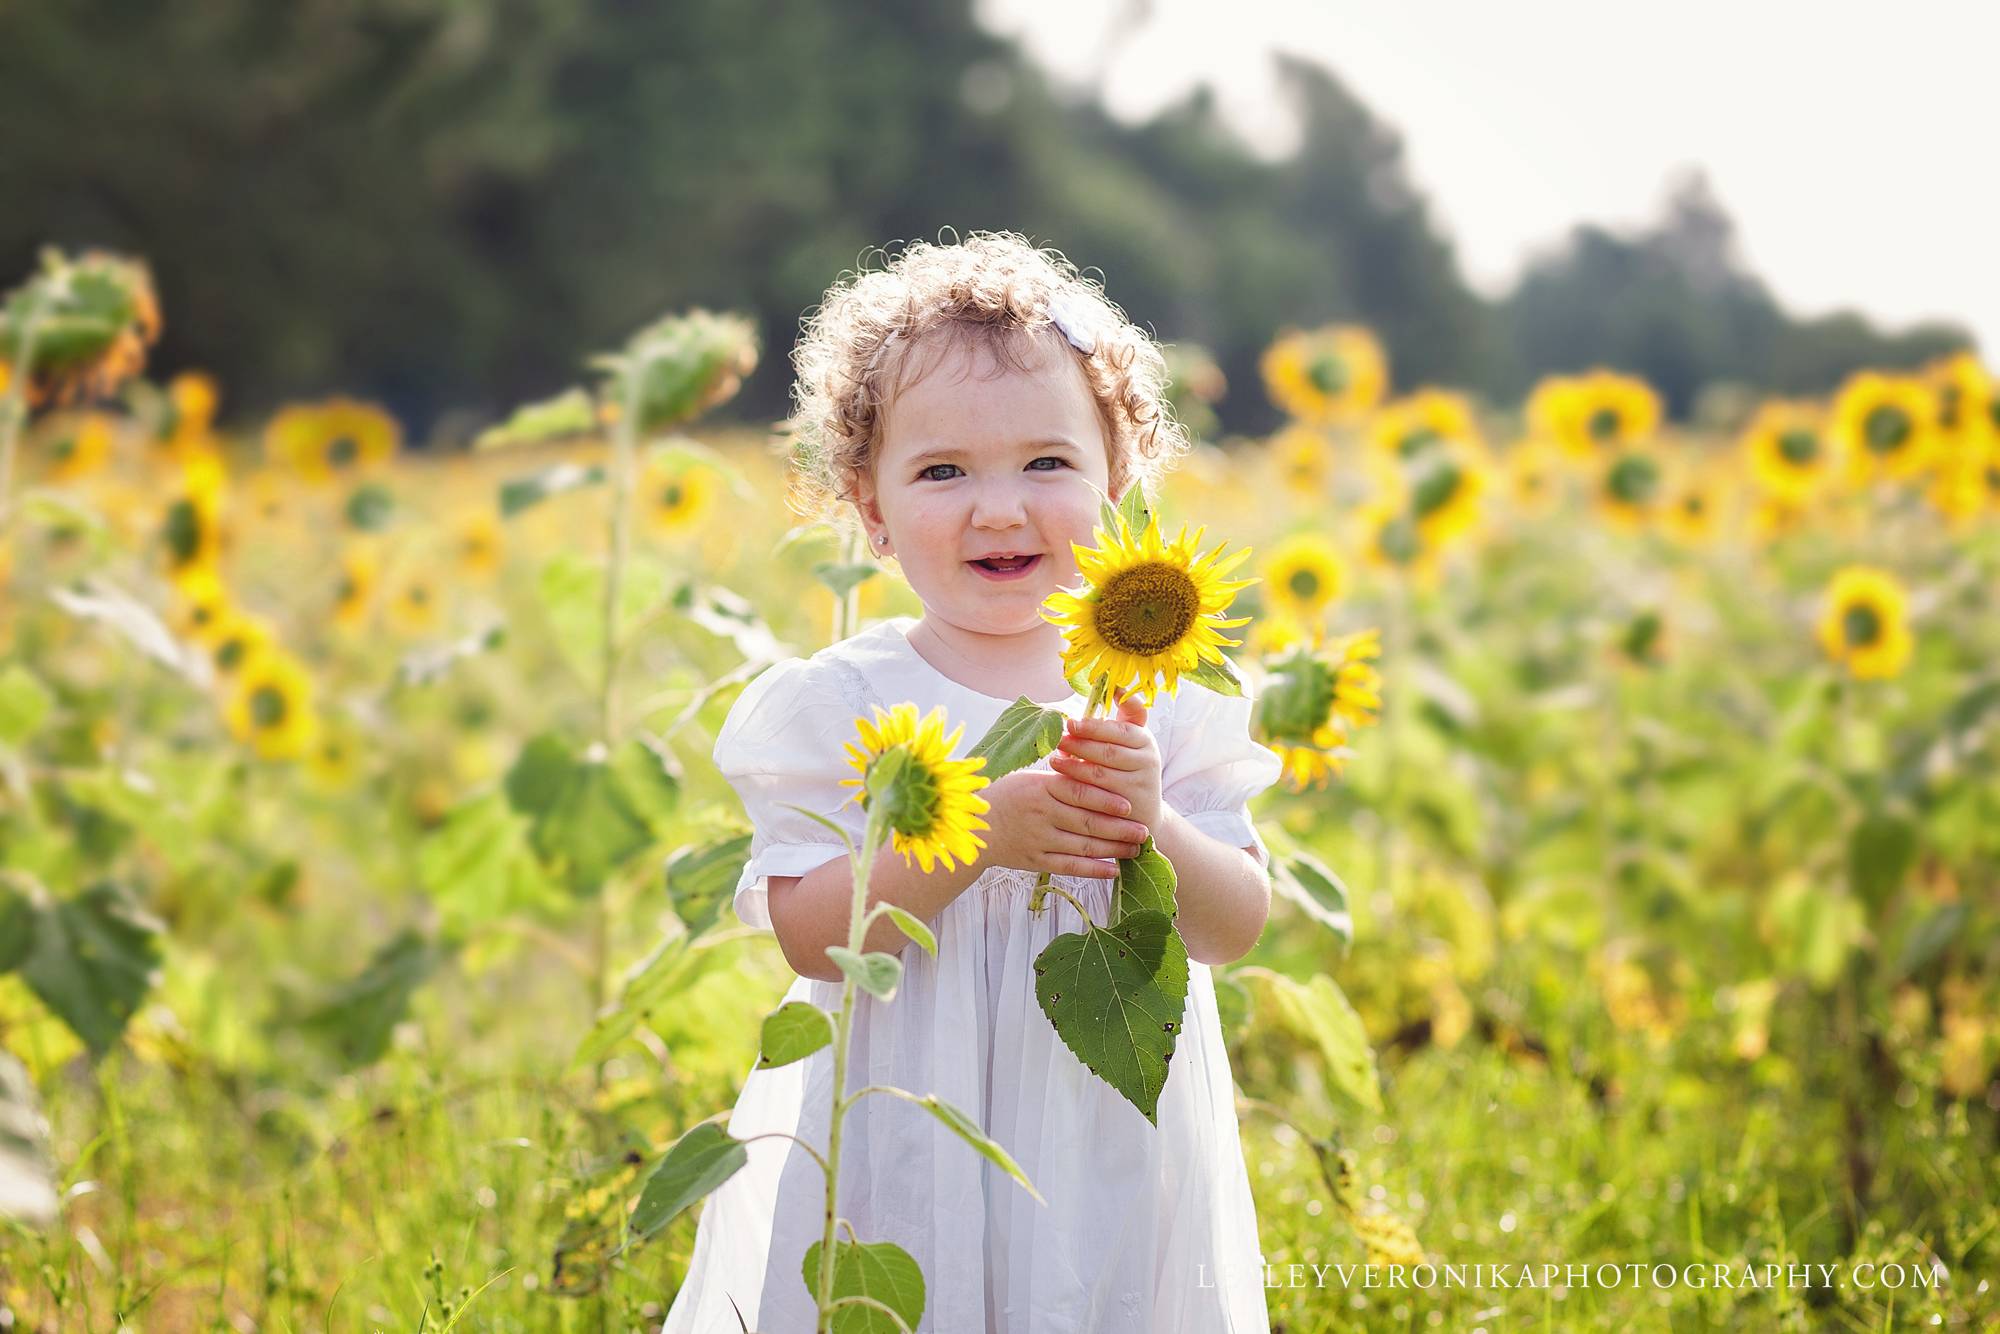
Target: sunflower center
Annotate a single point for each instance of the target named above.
(1604, 423)
(1298, 698)
(1417, 441)
(1146, 609)
(1861, 625)
(1435, 489)
(183, 530)
(672, 495)
(1948, 403)
(267, 706)
(420, 595)
(1328, 374)
(1694, 505)
(228, 653)
(1399, 541)
(1634, 479)
(1304, 585)
(1993, 409)
(1886, 429)
(909, 789)
(1798, 447)
(343, 450)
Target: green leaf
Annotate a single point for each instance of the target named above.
(94, 959)
(968, 1130)
(1116, 996)
(881, 1271)
(27, 1174)
(1022, 734)
(792, 1032)
(701, 878)
(1880, 852)
(520, 493)
(478, 865)
(570, 413)
(17, 926)
(722, 611)
(1145, 884)
(698, 1163)
(874, 972)
(912, 927)
(673, 965)
(1305, 881)
(1220, 677)
(583, 827)
(24, 704)
(1318, 1012)
(844, 577)
(571, 589)
(359, 1015)
(1138, 514)
(649, 778)
(1928, 939)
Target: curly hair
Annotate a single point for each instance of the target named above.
(994, 289)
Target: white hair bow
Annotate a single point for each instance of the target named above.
(1072, 316)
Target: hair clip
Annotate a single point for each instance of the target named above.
(1073, 318)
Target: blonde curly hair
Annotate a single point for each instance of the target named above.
(993, 289)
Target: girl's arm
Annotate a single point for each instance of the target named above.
(1224, 892)
(1039, 822)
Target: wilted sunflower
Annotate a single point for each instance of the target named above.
(76, 447)
(1303, 575)
(1316, 695)
(1791, 454)
(1632, 489)
(1327, 375)
(477, 539)
(354, 587)
(270, 705)
(675, 498)
(95, 316)
(1304, 461)
(1148, 611)
(933, 803)
(1407, 426)
(1595, 412)
(1865, 623)
(332, 441)
(1886, 426)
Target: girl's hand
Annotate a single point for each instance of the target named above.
(1115, 755)
(1047, 822)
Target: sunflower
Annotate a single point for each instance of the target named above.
(201, 604)
(1631, 489)
(1315, 697)
(333, 440)
(1393, 540)
(1692, 512)
(1303, 576)
(1864, 624)
(676, 497)
(238, 637)
(1792, 455)
(1149, 610)
(98, 315)
(1967, 395)
(414, 607)
(270, 705)
(476, 541)
(932, 802)
(78, 447)
(188, 416)
(334, 760)
(1887, 425)
(270, 495)
(1304, 460)
(354, 589)
(1597, 411)
(1960, 488)
(1408, 426)
(1328, 375)
(191, 529)
(1531, 474)
(1443, 487)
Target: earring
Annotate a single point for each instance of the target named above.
(881, 539)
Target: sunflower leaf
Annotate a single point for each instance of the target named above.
(698, 1163)
(1116, 996)
(358, 1016)
(520, 493)
(911, 926)
(880, 1271)
(1220, 676)
(1023, 733)
(569, 413)
(843, 577)
(792, 1032)
(875, 973)
(1318, 1012)
(1311, 885)
(1145, 883)
(700, 879)
(1132, 505)
(93, 959)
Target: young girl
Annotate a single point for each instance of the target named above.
(963, 402)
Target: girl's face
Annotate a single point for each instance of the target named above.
(983, 461)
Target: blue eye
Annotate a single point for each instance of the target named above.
(1051, 458)
(925, 475)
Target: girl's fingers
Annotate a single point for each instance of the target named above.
(1106, 753)
(1088, 796)
(1111, 829)
(1088, 870)
(1077, 845)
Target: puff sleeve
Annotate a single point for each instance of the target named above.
(1212, 767)
(784, 741)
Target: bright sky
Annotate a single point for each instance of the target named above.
(1857, 147)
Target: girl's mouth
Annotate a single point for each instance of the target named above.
(1001, 569)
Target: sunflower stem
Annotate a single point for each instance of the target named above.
(1081, 911)
(871, 839)
(847, 606)
(14, 410)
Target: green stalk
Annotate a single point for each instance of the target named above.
(14, 411)
(843, 1025)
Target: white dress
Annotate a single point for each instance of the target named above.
(1147, 1230)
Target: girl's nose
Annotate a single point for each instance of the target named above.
(999, 504)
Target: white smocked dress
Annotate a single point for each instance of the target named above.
(1147, 1230)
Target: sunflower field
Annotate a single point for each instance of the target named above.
(364, 873)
